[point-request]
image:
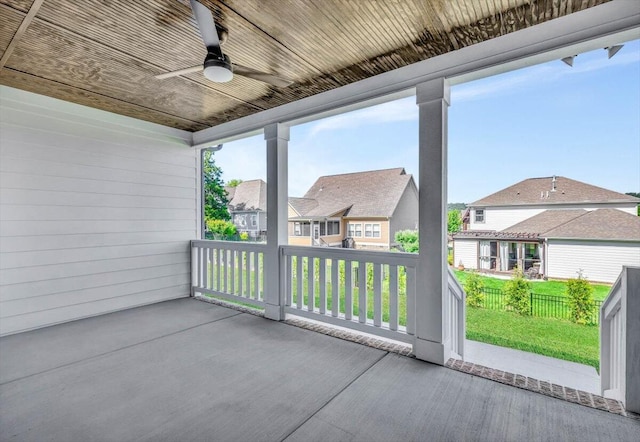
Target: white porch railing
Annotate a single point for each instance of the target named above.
(456, 314)
(373, 292)
(229, 270)
(620, 340)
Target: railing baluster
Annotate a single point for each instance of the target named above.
(219, 269)
(247, 270)
(233, 271)
(289, 282)
(322, 286)
(335, 288)
(203, 270)
(299, 277)
(240, 273)
(362, 292)
(377, 294)
(411, 300)
(393, 297)
(310, 285)
(224, 271)
(348, 291)
(256, 275)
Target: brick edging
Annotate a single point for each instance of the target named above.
(542, 387)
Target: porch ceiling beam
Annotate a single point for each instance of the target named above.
(35, 6)
(593, 28)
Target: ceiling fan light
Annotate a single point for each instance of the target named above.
(218, 70)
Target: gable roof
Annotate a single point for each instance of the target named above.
(248, 196)
(374, 193)
(600, 224)
(545, 221)
(538, 191)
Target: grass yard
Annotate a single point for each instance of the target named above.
(556, 338)
(555, 288)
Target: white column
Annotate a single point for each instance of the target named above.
(432, 318)
(277, 138)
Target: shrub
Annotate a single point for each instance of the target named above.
(244, 236)
(474, 288)
(450, 258)
(221, 227)
(408, 239)
(518, 293)
(581, 303)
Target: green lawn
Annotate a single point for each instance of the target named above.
(550, 337)
(555, 288)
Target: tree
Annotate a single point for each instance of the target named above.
(234, 182)
(474, 288)
(581, 303)
(454, 221)
(408, 239)
(215, 197)
(518, 293)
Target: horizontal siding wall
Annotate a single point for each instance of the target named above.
(96, 211)
(599, 261)
(465, 252)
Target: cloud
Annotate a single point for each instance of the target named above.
(510, 82)
(393, 111)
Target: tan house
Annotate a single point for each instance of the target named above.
(358, 210)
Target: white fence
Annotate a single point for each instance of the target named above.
(228, 270)
(373, 292)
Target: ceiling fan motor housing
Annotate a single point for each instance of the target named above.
(217, 67)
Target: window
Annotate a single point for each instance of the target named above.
(323, 228)
(301, 229)
(372, 230)
(333, 227)
(354, 230)
(254, 220)
(479, 215)
(297, 231)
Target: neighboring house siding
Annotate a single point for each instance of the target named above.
(600, 261)
(405, 215)
(299, 240)
(465, 252)
(97, 211)
(371, 243)
(503, 217)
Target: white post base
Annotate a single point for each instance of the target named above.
(429, 351)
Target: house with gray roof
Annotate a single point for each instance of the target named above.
(554, 233)
(248, 207)
(361, 210)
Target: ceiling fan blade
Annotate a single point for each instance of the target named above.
(261, 76)
(206, 24)
(180, 72)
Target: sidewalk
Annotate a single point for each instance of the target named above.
(544, 368)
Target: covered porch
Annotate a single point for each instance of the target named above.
(190, 370)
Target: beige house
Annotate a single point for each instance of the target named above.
(357, 210)
(248, 207)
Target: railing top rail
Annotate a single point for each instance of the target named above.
(615, 290)
(455, 285)
(394, 258)
(230, 245)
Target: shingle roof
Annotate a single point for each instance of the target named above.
(538, 191)
(545, 221)
(600, 224)
(302, 205)
(249, 196)
(373, 193)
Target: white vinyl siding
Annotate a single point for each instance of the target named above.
(465, 252)
(96, 212)
(599, 260)
(499, 218)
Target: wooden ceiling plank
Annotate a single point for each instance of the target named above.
(35, 6)
(39, 85)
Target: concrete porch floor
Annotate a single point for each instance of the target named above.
(188, 370)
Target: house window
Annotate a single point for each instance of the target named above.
(479, 215)
(354, 230)
(323, 228)
(301, 229)
(254, 220)
(372, 230)
(297, 231)
(333, 227)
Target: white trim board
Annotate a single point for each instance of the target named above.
(596, 27)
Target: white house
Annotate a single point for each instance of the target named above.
(551, 227)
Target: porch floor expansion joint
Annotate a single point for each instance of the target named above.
(542, 387)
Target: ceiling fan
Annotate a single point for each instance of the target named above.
(217, 66)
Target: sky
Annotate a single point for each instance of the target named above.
(581, 122)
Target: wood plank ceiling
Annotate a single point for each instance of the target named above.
(105, 53)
